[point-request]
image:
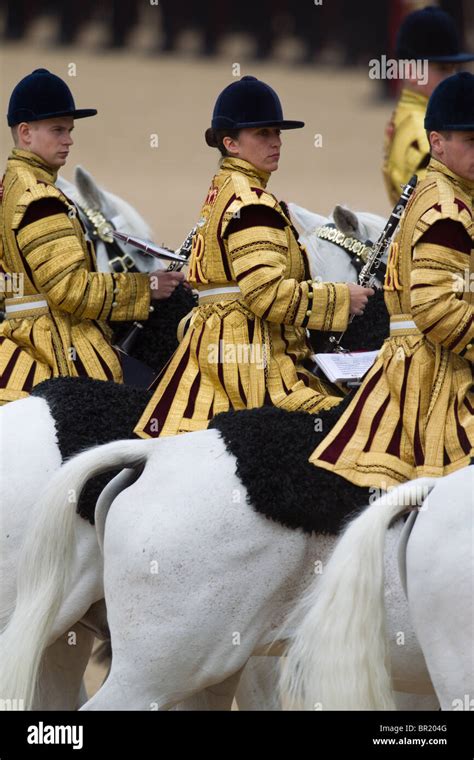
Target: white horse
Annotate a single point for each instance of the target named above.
(43, 454)
(339, 655)
(203, 582)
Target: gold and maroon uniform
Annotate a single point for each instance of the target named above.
(246, 342)
(406, 148)
(413, 415)
(56, 327)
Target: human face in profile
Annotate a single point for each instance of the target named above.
(261, 147)
(50, 139)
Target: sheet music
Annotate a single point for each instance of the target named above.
(341, 367)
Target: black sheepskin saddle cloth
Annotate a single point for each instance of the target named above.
(272, 448)
(90, 413)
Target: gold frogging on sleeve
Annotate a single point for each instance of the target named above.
(259, 257)
(59, 269)
(438, 306)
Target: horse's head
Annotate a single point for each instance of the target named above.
(328, 260)
(110, 205)
(363, 226)
(101, 210)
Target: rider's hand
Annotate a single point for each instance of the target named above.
(163, 283)
(359, 298)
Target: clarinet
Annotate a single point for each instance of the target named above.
(129, 339)
(368, 273)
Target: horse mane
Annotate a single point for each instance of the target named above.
(305, 221)
(69, 189)
(368, 221)
(114, 206)
(138, 226)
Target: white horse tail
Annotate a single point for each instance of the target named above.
(338, 658)
(46, 563)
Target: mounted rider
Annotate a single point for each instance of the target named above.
(55, 326)
(413, 415)
(427, 36)
(246, 344)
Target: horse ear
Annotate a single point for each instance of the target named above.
(89, 189)
(346, 221)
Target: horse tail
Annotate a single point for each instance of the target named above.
(338, 658)
(46, 562)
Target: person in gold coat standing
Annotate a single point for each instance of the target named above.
(427, 37)
(246, 343)
(55, 315)
(413, 415)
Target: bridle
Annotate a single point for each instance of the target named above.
(356, 250)
(98, 227)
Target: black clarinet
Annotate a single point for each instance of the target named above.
(368, 273)
(129, 339)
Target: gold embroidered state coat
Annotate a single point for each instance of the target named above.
(406, 148)
(63, 333)
(246, 343)
(413, 415)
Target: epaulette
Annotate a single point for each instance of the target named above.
(245, 195)
(35, 192)
(436, 199)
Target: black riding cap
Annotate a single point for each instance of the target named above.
(250, 103)
(42, 95)
(430, 34)
(451, 106)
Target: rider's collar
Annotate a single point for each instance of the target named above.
(41, 169)
(466, 185)
(245, 167)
